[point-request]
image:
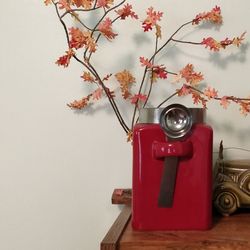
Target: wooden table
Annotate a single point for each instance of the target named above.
(227, 233)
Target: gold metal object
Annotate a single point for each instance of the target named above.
(232, 185)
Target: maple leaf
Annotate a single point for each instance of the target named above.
(151, 20)
(213, 16)
(97, 94)
(63, 4)
(197, 98)
(211, 43)
(87, 77)
(105, 27)
(145, 62)
(237, 41)
(79, 104)
(244, 107)
(126, 79)
(80, 39)
(86, 4)
(147, 26)
(104, 3)
(210, 93)
(224, 102)
(47, 2)
(226, 42)
(158, 31)
(65, 59)
(126, 11)
(160, 72)
(153, 16)
(130, 136)
(191, 77)
(185, 90)
(138, 97)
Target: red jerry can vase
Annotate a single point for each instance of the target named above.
(189, 152)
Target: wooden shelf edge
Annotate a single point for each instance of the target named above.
(111, 240)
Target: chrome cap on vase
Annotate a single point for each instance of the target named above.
(176, 120)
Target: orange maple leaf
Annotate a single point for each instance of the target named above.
(224, 102)
(237, 41)
(104, 3)
(47, 2)
(197, 98)
(80, 39)
(105, 27)
(87, 77)
(125, 79)
(138, 97)
(86, 4)
(184, 90)
(210, 93)
(79, 104)
(126, 11)
(191, 77)
(152, 18)
(211, 43)
(63, 4)
(97, 94)
(213, 16)
(65, 59)
(244, 107)
(145, 62)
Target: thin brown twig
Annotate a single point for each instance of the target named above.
(152, 74)
(168, 98)
(94, 72)
(150, 60)
(188, 42)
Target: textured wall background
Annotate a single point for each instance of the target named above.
(58, 168)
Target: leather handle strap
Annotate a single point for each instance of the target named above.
(168, 179)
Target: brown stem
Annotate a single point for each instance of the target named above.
(76, 10)
(153, 56)
(97, 39)
(168, 98)
(94, 72)
(105, 14)
(152, 74)
(180, 41)
(231, 98)
(111, 100)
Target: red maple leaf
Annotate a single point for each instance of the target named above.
(210, 93)
(105, 27)
(97, 94)
(145, 62)
(224, 102)
(138, 97)
(126, 11)
(161, 72)
(213, 16)
(147, 26)
(65, 59)
(104, 3)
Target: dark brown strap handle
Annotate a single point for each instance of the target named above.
(168, 180)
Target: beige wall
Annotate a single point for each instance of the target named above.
(58, 168)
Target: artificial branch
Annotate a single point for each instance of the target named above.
(150, 60)
(180, 41)
(94, 72)
(88, 38)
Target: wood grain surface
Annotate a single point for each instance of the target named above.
(227, 233)
(111, 240)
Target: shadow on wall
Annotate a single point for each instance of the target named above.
(226, 127)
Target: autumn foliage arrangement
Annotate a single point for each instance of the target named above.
(83, 42)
